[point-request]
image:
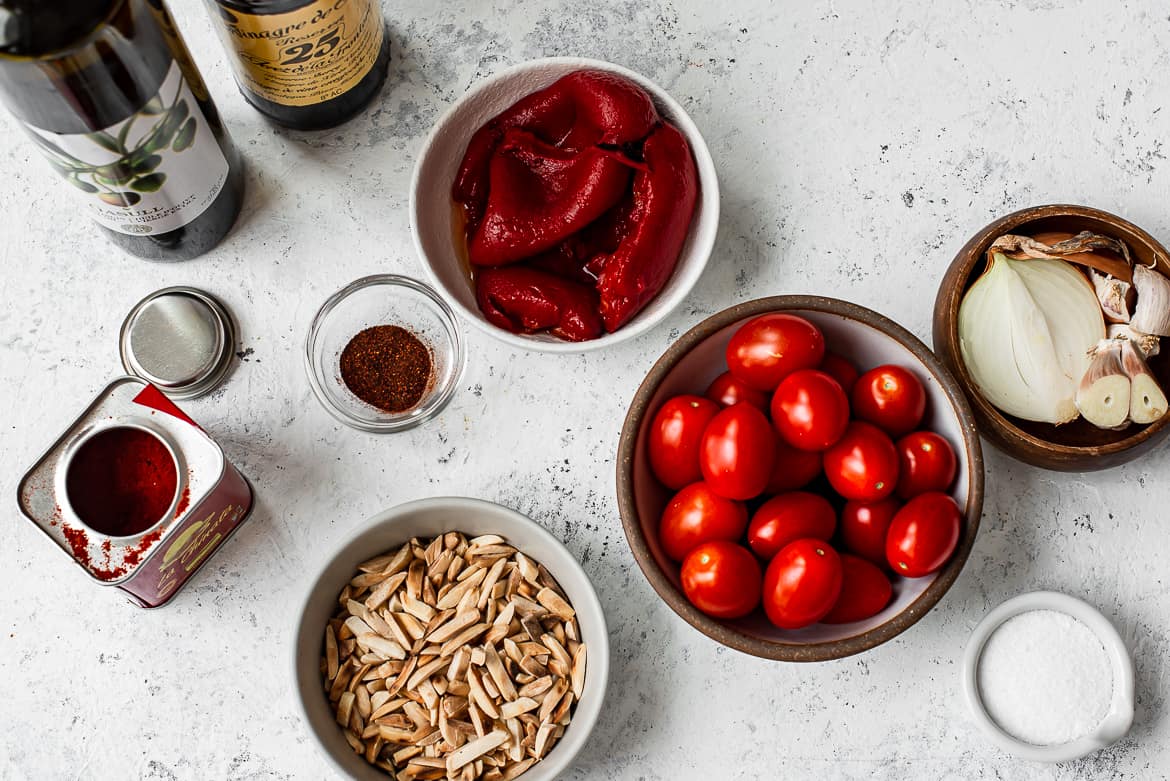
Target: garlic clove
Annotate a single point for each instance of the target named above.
(1104, 393)
(1147, 402)
(1152, 313)
(1114, 295)
(1147, 344)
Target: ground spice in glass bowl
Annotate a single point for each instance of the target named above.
(387, 366)
(383, 354)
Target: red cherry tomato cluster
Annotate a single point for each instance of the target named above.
(803, 486)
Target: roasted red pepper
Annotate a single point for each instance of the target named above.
(657, 221)
(576, 114)
(559, 236)
(523, 299)
(540, 195)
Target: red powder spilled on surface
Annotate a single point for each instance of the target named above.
(122, 481)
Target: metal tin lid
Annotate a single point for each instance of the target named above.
(179, 339)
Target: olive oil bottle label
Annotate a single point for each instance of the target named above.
(154, 172)
(307, 56)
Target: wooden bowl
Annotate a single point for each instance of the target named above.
(1078, 446)
(868, 340)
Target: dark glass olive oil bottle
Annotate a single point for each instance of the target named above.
(306, 64)
(109, 94)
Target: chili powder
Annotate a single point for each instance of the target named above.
(387, 367)
(121, 481)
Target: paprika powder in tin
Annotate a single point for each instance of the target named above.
(104, 515)
(122, 481)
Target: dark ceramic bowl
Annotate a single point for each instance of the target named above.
(865, 338)
(1078, 446)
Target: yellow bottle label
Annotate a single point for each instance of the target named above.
(306, 56)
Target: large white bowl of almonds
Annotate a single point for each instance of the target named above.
(451, 638)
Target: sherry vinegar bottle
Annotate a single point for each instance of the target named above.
(109, 94)
(306, 64)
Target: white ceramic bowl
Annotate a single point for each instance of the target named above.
(1116, 722)
(428, 518)
(432, 211)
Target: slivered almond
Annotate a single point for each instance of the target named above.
(555, 604)
(383, 590)
(537, 687)
(500, 676)
(403, 754)
(510, 710)
(344, 706)
(451, 659)
(528, 570)
(475, 749)
(464, 637)
(542, 736)
(558, 650)
(417, 608)
(426, 671)
(410, 625)
(452, 597)
(490, 581)
(386, 708)
(479, 695)
(330, 653)
(453, 625)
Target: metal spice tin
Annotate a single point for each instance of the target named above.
(212, 498)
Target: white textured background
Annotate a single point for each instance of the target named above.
(858, 146)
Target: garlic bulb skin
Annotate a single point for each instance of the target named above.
(1025, 330)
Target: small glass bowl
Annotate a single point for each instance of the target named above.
(383, 299)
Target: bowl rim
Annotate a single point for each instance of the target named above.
(703, 233)
(718, 630)
(1116, 721)
(418, 415)
(586, 714)
(1008, 433)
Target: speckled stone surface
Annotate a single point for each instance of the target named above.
(858, 145)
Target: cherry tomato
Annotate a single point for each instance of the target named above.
(793, 468)
(923, 535)
(695, 515)
(737, 452)
(722, 579)
(927, 463)
(809, 410)
(865, 591)
(863, 465)
(891, 398)
(802, 583)
(728, 391)
(767, 349)
(840, 370)
(789, 517)
(864, 526)
(675, 435)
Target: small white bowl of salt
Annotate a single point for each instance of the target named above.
(1048, 678)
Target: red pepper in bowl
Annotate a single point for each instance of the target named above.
(526, 300)
(585, 190)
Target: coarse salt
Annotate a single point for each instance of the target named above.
(1045, 678)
